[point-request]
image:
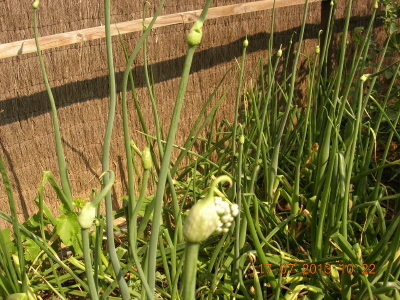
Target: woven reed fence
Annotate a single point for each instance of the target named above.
(74, 53)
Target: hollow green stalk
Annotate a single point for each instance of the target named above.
(57, 136)
(15, 224)
(277, 142)
(146, 158)
(324, 148)
(190, 270)
(124, 290)
(238, 245)
(236, 116)
(131, 188)
(158, 199)
(236, 188)
(88, 264)
(296, 188)
(346, 292)
(85, 220)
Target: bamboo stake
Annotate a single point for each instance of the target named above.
(88, 34)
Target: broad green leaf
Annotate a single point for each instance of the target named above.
(7, 240)
(17, 296)
(32, 250)
(69, 231)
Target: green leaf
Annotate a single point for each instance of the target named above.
(69, 231)
(32, 250)
(145, 203)
(80, 202)
(7, 240)
(17, 296)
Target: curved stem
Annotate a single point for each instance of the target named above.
(57, 136)
(105, 159)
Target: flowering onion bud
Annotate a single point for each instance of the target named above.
(35, 4)
(209, 215)
(364, 77)
(279, 53)
(376, 4)
(317, 50)
(146, 159)
(195, 34)
(87, 216)
(245, 43)
(201, 222)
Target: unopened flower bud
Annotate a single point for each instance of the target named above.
(195, 34)
(146, 159)
(87, 216)
(201, 222)
(279, 53)
(35, 4)
(245, 43)
(364, 77)
(317, 49)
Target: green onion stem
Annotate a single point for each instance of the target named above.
(190, 270)
(88, 264)
(15, 223)
(158, 199)
(57, 136)
(124, 290)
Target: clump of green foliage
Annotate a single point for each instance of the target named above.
(315, 216)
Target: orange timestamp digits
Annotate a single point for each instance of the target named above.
(283, 268)
(316, 268)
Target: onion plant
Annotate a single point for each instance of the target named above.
(310, 210)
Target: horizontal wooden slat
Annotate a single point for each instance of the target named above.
(78, 36)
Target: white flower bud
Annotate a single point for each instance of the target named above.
(225, 218)
(234, 210)
(87, 216)
(201, 222)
